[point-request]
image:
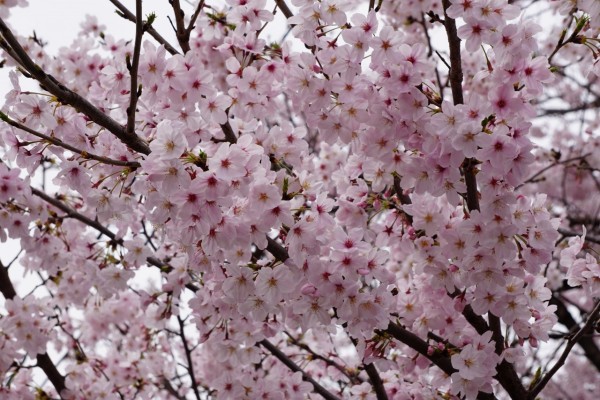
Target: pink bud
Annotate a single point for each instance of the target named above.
(308, 290)
(377, 205)
(533, 342)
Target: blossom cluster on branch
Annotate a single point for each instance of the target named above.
(357, 211)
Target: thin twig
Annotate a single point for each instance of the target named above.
(188, 356)
(125, 13)
(588, 238)
(354, 378)
(591, 320)
(57, 142)
(540, 172)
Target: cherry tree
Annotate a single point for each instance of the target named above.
(394, 200)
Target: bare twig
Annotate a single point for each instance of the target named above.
(354, 378)
(541, 171)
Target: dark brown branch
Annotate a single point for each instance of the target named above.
(284, 8)
(455, 75)
(133, 72)
(195, 15)
(188, 356)
(74, 214)
(588, 238)
(420, 346)
(294, 367)
(228, 132)
(353, 377)
(589, 324)
(376, 381)
(183, 36)
(587, 343)
(43, 360)
(60, 143)
(66, 95)
(70, 213)
(506, 374)
(125, 13)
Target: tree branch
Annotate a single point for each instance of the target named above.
(60, 143)
(66, 95)
(376, 381)
(43, 360)
(294, 367)
(591, 320)
(183, 36)
(420, 346)
(125, 13)
(284, 8)
(188, 356)
(133, 72)
(587, 343)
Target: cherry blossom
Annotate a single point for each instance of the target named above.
(391, 200)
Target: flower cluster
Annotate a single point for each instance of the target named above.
(338, 214)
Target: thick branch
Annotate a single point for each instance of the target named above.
(66, 95)
(376, 381)
(294, 367)
(455, 77)
(183, 36)
(284, 8)
(420, 346)
(133, 72)
(43, 360)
